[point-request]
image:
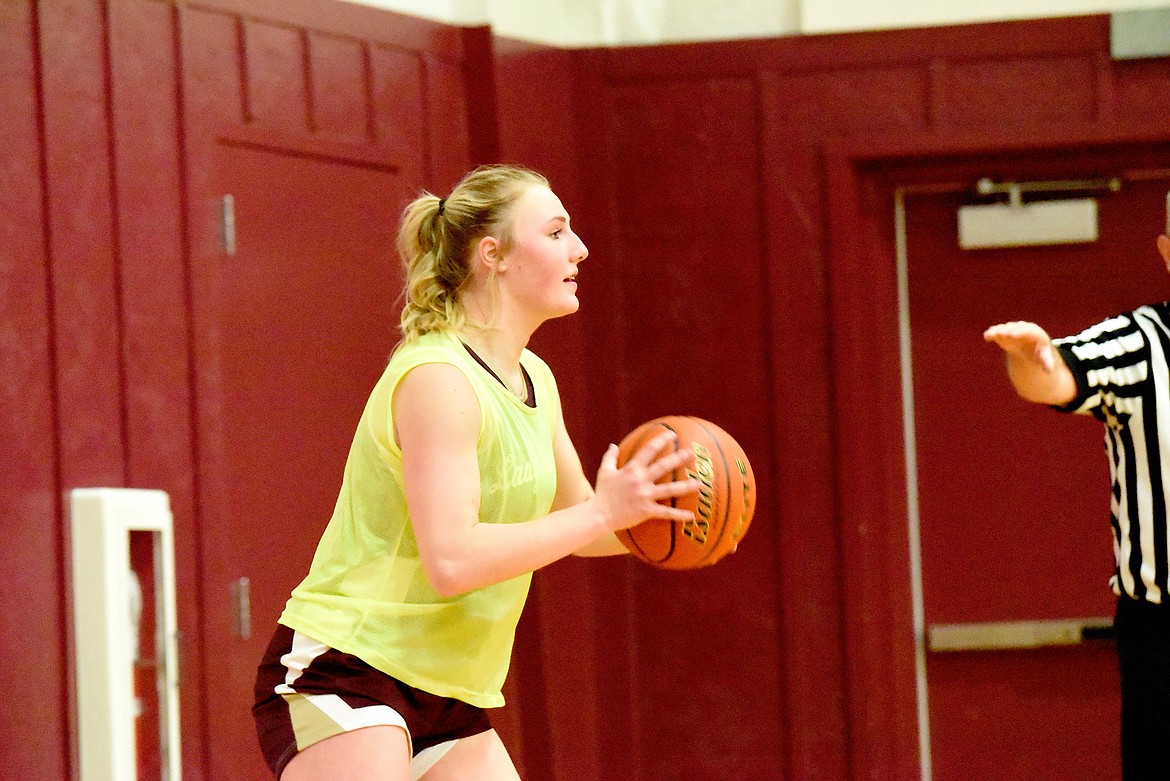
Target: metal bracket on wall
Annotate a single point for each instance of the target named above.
(1015, 190)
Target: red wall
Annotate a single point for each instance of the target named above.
(114, 110)
(738, 200)
(735, 198)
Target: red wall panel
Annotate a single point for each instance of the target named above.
(81, 242)
(340, 100)
(35, 744)
(740, 270)
(812, 655)
(84, 302)
(1135, 87)
(689, 263)
(1040, 90)
(147, 154)
(274, 75)
(398, 100)
(809, 106)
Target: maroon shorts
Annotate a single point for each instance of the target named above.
(306, 692)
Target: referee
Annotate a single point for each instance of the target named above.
(1119, 372)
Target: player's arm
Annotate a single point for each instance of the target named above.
(436, 424)
(1034, 365)
(573, 488)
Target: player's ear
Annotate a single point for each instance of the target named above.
(487, 253)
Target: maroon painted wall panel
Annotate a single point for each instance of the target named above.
(449, 128)
(688, 268)
(812, 653)
(338, 74)
(150, 247)
(877, 631)
(213, 91)
(483, 143)
(703, 167)
(212, 100)
(1136, 86)
(275, 78)
(399, 108)
(156, 344)
(1040, 91)
(81, 249)
(35, 744)
(83, 289)
(841, 102)
(844, 53)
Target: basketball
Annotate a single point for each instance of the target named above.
(723, 505)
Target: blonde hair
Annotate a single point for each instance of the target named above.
(437, 238)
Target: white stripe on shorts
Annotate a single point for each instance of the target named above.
(304, 650)
(318, 716)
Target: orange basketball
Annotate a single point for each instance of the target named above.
(723, 505)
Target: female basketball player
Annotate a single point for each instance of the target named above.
(461, 480)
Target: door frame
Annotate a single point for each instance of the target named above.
(884, 632)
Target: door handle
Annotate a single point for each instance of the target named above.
(1006, 635)
(242, 596)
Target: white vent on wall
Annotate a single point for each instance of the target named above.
(1019, 224)
(1030, 224)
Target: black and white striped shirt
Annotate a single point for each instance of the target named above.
(1123, 380)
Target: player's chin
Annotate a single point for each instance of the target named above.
(568, 306)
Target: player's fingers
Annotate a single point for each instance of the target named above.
(675, 514)
(674, 489)
(669, 463)
(609, 457)
(649, 451)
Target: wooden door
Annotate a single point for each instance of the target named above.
(1013, 498)
(293, 330)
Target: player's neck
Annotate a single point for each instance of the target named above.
(500, 350)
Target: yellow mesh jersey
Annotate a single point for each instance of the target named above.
(366, 593)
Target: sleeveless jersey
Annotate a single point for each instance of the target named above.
(366, 593)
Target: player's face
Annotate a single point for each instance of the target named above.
(539, 271)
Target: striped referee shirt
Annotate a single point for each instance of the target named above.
(1123, 380)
